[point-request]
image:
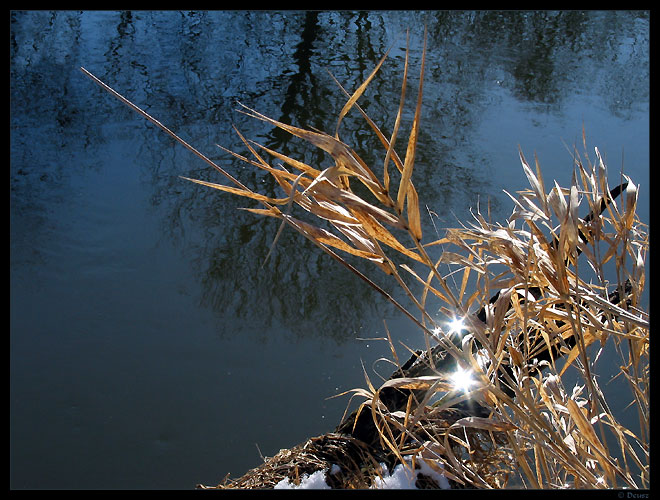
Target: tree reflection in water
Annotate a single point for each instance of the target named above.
(189, 68)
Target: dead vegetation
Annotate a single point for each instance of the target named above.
(513, 307)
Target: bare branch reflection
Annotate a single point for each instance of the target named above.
(190, 68)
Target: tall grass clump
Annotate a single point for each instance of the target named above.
(514, 315)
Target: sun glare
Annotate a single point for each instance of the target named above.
(462, 379)
(456, 325)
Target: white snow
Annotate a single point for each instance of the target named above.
(314, 482)
(402, 478)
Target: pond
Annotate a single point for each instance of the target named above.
(149, 347)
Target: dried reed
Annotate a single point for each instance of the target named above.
(545, 320)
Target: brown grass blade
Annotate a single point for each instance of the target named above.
(587, 432)
(360, 90)
(240, 192)
(412, 205)
(417, 383)
(303, 167)
(409, 161)
(487, 424)
(536, 184)
(397, 124)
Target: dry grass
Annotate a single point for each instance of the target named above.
(315, 454)
(569, 288)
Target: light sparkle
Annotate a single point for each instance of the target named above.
(462, 379)
(456, 325)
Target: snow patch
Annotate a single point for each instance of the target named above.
(402, 478)
(316, 481)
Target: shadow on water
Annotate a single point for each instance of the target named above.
(494, 80)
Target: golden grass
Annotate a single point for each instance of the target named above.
(569, 287)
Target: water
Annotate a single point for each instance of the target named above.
(148, 349)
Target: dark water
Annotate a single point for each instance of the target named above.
(147, 347)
